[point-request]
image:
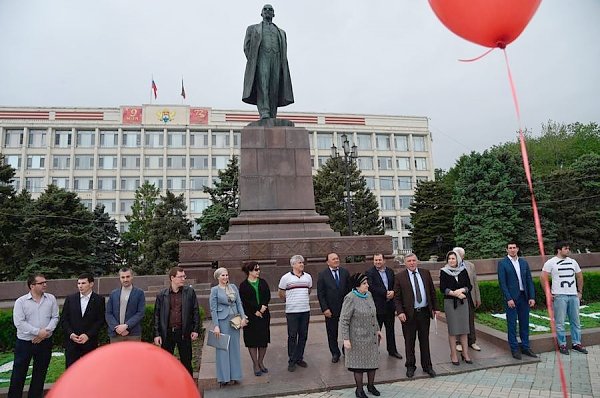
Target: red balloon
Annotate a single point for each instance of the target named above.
(127, 369)
(491, 23)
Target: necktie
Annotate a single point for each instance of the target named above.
(417, 288)
(336, 277)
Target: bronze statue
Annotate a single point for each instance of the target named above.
(267, 82)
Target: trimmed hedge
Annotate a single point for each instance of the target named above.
(8, 332)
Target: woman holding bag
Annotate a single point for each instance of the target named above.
(225, 310)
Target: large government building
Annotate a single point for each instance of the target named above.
(105, 154)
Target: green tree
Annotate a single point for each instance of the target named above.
(168, 227)
(142, 213)
(106, 242)
(225, 199)
(330, 199)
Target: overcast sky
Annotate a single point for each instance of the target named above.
(346, 56)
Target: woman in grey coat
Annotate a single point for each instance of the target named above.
(361, 335)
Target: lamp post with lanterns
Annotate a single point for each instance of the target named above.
(349, 156)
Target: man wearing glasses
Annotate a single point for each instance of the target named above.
(176, 317)
(35, 316)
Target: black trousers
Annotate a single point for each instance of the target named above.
(331, 325)
(388, 319)
(74, 351)
(24, 352)
(417, 326)
(174, 338)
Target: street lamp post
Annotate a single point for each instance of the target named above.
(350, 155)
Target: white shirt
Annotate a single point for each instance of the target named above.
(296, 292)
(515, 263)
(563, 272)
(423, 302)
(29, 316)
(84, 301)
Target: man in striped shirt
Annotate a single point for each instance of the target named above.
(294, 288)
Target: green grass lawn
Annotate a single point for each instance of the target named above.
(56, 368)
(589, 318)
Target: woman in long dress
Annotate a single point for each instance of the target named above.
(255, 295)
(360, 332)
(456, 288)
(225, 303)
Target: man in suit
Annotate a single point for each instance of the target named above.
(81, 319)
(416, 304)
(516, 284)
(476, 302)
(381, 286)
(125, 310)
(176, 317)
(333, 284)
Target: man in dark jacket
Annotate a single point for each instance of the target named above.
(81, 320)
(125, 309)
(176, 317)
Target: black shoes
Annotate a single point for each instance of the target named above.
(302, 364)
(528, 352)
(410, 372)
(470, 362)
(430, 372)
(563, 349)
(579, 348)
(371, 388)
(516, 355)
(335, 359)
(360, 393)
(395, 355)
(291, 367)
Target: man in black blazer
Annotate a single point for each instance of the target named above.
(381, 286)
(81, 319)
(333, 284)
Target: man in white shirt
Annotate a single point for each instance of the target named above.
(35, 316)
(567, 289)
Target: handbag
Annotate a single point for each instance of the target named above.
(236, 321)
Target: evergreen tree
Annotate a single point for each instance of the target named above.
(106, 243)
(225, 198)
(330, 199)
(168, 227)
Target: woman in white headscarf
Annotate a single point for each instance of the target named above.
(225, 304)
(456, 288)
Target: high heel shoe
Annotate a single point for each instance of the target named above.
(360, 393)
(455, 363)
(264, 370)
(470, 362)
(371, 388)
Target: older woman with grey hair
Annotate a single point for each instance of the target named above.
(225, 304)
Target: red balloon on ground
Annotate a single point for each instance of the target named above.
(127, 369)
(491, 23)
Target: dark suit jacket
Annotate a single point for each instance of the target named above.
(378, 290)
(189, 313)
(134, 313)
(90, 323)
(509, 281)
(330, 296)
(404, 297)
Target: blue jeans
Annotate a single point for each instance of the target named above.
(567, 305)
(521, 311)
(297, 328)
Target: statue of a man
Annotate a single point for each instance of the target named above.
(267, 82)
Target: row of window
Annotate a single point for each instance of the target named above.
(86, 162)
(383, 162)
(381, 142)
(110, 139)
(390, 223)
(110, 205)
(390, 203)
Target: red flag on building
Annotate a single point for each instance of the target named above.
(154, 88)
(182, 89)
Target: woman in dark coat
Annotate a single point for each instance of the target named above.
(255, 295)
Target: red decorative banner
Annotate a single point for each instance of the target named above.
(199, 115)
(132, 115)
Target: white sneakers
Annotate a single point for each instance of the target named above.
(474, 346)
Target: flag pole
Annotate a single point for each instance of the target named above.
(151, 89)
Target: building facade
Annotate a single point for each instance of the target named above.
(105, 154)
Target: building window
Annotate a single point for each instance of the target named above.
(62, 162)
(62, 139)
(420, 163)
(199, 139)
(219, 162)
(87, 203)
(176, 162)
(86, 138)
(403, 163)
(365, 162)
(405, 222)
(419, 143)
(109, 139)
(390, 224)
(83, 184)
(383, 142)
(198, 183)
(13, 138)
(154, 139)
(107, 162)
(34, 184)
(37, 138)
(386, 183)
(176, 183)
(84, 162)
(321, 160)
(199, 162)
(385, 163)
(236, 139)
(405, 201)
(422, 179)
(13, 161)
(407, 243)
(363, 141)
(130, 162)
(107, 184)
(404, 182)
(130, 184)
(156, 181)
(123, 227)
(176, 139)
(198, 205)
(370, 182)
(61, 182)
(125, 206)
(325, 140)
(36, 162)
(388, 203)
(153, 162)
(395, 245)
(110, 206)
(132, 139)
(401, 142)
(220, 139)
(16, 183)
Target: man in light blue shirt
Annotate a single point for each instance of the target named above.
(35, 316)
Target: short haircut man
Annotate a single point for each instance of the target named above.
(81, 319)
(476, 297)
(35, 316)
(125, 309)
(294, 288)
(176, 317)
(567, 290)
